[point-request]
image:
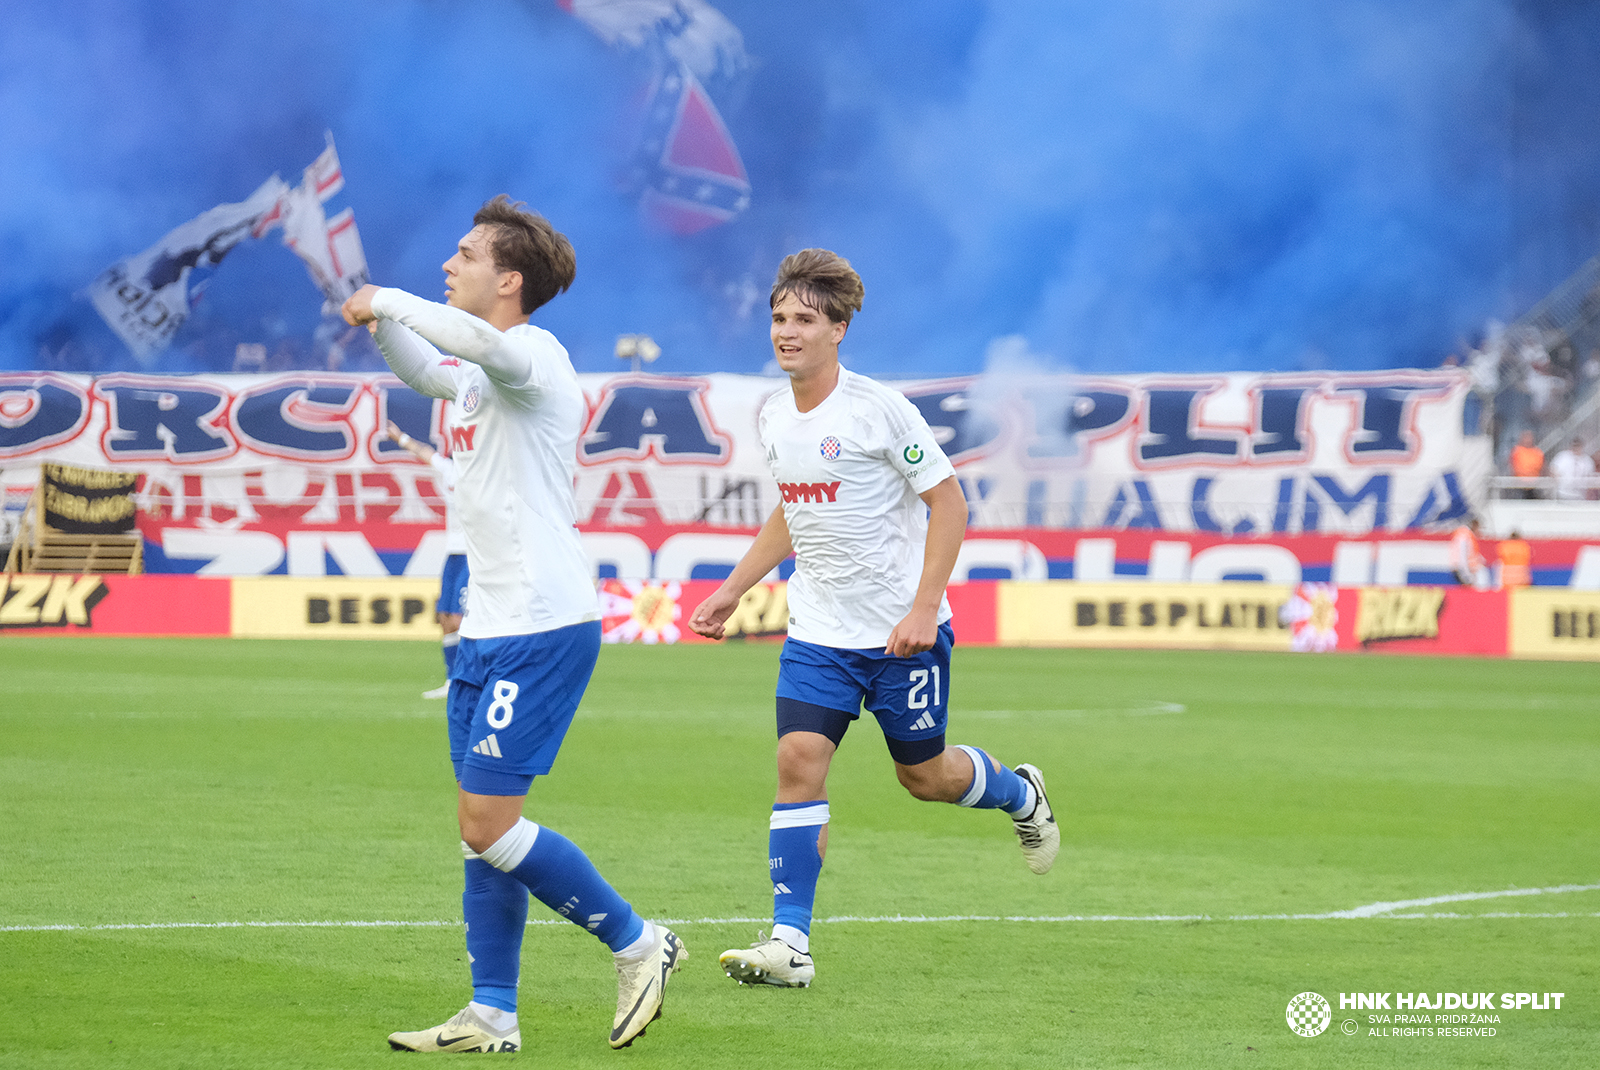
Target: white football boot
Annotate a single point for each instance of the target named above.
(642, 984)
(1040, 836)
(465, 1032)
(769, 962)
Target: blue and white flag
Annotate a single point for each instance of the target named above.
(145, 298)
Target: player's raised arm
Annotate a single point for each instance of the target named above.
(457, 332)
(947, 526)
(772, 545)
(418, 364)
(508, 265)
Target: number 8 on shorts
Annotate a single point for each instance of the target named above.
(501, 711)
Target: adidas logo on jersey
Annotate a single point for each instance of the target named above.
(489, 747)
(925, 721)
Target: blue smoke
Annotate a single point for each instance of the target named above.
(1156, 185)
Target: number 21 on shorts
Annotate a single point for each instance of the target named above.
(917, 697)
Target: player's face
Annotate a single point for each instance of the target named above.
(471, 281)
(804, 340)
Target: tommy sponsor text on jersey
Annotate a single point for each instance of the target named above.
(850, 472)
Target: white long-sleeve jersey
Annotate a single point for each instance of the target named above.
(517, 416)
(455, 540)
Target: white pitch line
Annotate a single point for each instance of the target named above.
(1493, 914)
(1150, 707)
(1371, 910)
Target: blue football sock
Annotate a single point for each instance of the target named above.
(561, 877)
(794, 861)
(994, 787)
(495, 906)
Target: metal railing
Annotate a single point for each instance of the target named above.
(1543, 488)
(1584, 423)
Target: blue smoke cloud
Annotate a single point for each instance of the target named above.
(1146, 186)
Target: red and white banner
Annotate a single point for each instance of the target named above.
(1281, 477)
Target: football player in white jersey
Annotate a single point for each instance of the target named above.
(874, 515)
(531, 633)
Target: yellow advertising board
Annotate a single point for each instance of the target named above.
(1549, 622)
(334, 607)
(1228, 616)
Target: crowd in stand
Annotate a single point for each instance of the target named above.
(1531, 388)
(1572, 469)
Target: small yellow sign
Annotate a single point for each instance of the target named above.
(1232, 616)
(334, 607)
(1555, 623)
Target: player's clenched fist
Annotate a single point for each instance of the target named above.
(358, 309)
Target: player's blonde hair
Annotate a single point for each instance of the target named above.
(821, 280)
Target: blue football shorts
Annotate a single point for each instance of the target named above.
(909, 696)
(453, 585)
(512, 699)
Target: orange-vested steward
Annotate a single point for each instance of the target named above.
(1516, 561)
(1527, 461)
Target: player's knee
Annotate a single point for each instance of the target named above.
(803, 750)
(477, 835)
(482, 826)
(920, 781)
(803, 761)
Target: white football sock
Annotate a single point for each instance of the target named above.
(495, 1018)
(796, 939)
(641, 946)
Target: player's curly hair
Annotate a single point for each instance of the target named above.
(822, 280)
(525, 241)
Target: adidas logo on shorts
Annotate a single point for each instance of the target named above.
(489, 747)
(925, 721)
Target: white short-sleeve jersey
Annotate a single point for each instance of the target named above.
(514, 444)
(850, 472)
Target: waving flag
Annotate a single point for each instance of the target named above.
(692, 175)
(687, 168)
(330, 248)
(145, 298)
(691, 32)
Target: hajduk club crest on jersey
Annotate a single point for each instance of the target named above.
(470, 402)
(831, 448)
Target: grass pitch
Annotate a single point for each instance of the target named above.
(191, 832)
